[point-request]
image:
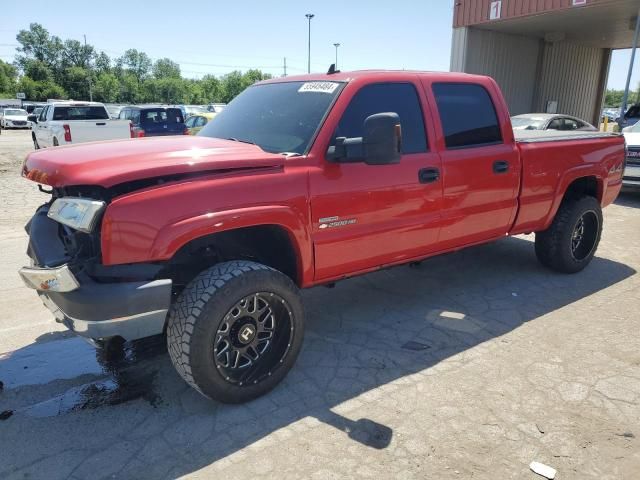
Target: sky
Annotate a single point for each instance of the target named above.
(218, 37)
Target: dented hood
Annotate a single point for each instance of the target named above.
(111, 163)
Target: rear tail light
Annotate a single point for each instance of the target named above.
(186, 131)
(140, 133)
(67, 133)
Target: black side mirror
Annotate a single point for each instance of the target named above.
(32, 118)
(382, 139)
(380, 145)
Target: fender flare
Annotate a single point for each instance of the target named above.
(172, 237)
(567, 178)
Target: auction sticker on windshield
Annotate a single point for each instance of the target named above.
(322, 87)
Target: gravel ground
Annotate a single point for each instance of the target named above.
(470, 366)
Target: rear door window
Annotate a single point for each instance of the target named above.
(467, 114)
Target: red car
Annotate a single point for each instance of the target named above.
(300, 181)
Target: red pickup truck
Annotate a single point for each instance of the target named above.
(300, 181)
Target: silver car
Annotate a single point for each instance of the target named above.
(550, 121)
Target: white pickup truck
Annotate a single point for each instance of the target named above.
(64, 123)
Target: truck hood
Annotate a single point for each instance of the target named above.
(111, 163)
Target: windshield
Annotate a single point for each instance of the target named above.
(80, 112)
(16, 111)
(196, 110)
(529, 123)
(278, 117)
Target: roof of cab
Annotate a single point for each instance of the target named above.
(371, 75)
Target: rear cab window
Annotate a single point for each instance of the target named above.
(161, 115)
(467, 115)
(80, 112)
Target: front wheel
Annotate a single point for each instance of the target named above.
(570, 243)
(236, 330)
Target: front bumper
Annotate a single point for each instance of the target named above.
(88, 307)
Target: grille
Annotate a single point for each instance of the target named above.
(633, 156)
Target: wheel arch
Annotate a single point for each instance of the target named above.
(575, 184)
(272, 236)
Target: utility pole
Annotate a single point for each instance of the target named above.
(285, 67)
(625, 97)
(85, 52)
(309, 17)
(336, 45)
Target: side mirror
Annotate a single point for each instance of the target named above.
(32, 118)
(382, 139)
(381, 143)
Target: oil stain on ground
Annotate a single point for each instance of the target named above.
(126, 372)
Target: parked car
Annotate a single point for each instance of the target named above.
(63, 123)
(114, 110)
(14, 118)
(631, 117)
(154, 121)
(36, 111)
(550, 121)
(189, 110)
(612, 114)
(216, 107)
(301, 181)
(195, 123)
(631, 176)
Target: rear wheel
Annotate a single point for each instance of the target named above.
(55, 142)
(236, 330)
(570, 243)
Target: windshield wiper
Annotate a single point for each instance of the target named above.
(240, 140)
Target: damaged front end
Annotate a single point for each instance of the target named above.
(91, 299)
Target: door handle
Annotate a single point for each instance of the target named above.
(500, 166)
(428, 175)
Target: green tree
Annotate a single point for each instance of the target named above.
(8, 75)
(137, 63)
(211, 89)
(40, 90)
(106, 88)
(103, 63)
(38, 70)
(129, 89)
(76, 54)
(37, 44)
(76, 82)
(166, 68)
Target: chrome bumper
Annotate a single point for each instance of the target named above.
(130, 310)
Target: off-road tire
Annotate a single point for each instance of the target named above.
(55, 142)
(554, 245)
(198, 312)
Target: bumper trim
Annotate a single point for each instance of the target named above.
(59, 279)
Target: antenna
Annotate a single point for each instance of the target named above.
(332, 69)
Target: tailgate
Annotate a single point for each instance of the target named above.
(97, 130)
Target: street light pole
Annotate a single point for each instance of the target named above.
(336, 45)
(85, 52)
(309, 17)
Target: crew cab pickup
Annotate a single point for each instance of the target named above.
(63, 123)
(300, 181)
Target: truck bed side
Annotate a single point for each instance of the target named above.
(552, 162)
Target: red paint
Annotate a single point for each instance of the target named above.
(397, 218)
